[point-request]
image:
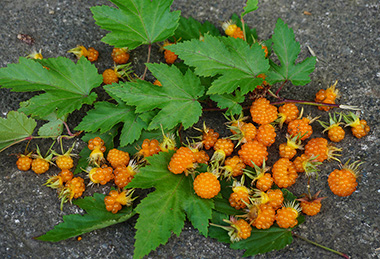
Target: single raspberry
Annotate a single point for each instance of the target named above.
(266, 216)
(289, 149)
(114, 200)
(206, 185)
(359, 127)
(182, 161)
(125, 174)
(321, 149)
(334, 130)
(287, 113)
(101, 175)
(66, 175)
(263, 112)
(286, 217)
(92, 54)
(233, 167)
(266, 135)
(209, 136)
(253, 153)
(229, 28)
(223, 148)
(117, 157)
(343, 182)
(24, 162)
(302, 127)
(239, 197)
(276, 198)
(96, 143)
(40, 165)
(149, 147)
(284, 173)
(73, 189)
(110, 76)
(244, 132)
(238, 33)
(327, 96)
(57, 181)
(120, 55)
(64, 162)
(264, 180)
(311, 205)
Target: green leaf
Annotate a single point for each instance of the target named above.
(15, 128)
(264, 240)
(229, 101)
(176, 99)
(287, 49)
(67, 85)
(135, 23)
(54, 127)
(250, 7)
(164, 210)
(233, 59)
(97, 217)
(189, 28)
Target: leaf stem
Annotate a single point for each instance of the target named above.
(279, 89)
(243, 25)
(321, 246)
(147, 61)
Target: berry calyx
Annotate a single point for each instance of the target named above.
(79, 51)
(334, 131)
(359, 127)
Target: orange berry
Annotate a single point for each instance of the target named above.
(266, 134)
(125, 174)
(233, 166)
(110, 76)
(225, 146)
(158, 83)
(120, 55)
(182, 160)
(311, 208)
(66, 175)
(286, 217)
(101, 175)
(320, 149)
(263, 112)
(40, 165)
(287, 113)
(264, 181)
(301, 127)
(284, 173)
(117, 158)
(24, 162)
(239, 198)
(253, 153)
(276, 198)
(64, 162)
(209, 138)
(266, 216)
(92, 54)
(149, 147)
(114, 200)
(201, 157)
(206, 185)
(343, 182)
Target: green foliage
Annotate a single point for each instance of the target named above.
(164, 210)
(234, 60)
(176, 100)
(250, 7)
(136, 22)
(16, 127)
(97, 217)
(231, 102)
(287, 49)
(189, 29)
(54, 127)
(67, 85)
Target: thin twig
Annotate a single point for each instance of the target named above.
(147, 61)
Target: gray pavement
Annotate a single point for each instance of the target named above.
(343, 34)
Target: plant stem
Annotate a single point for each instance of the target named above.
(279, 89)
(147, 61)
(242, 25)
(321, 246)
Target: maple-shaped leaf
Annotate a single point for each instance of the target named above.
(234, 60)
(189, 28)
(15, 128)
(105, 115)
(176, 99)
(97, 217)
(136, 22)
(164, 211)
(231, 102)
(67, 85)
(287, 49)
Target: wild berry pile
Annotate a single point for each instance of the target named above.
(231, 186)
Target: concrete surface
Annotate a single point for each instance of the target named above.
(343, 34)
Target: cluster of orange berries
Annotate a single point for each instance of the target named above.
(263, 205)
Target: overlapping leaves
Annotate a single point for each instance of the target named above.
(176, 101)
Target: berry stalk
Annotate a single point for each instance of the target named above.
(321, 246)
(147, 61)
